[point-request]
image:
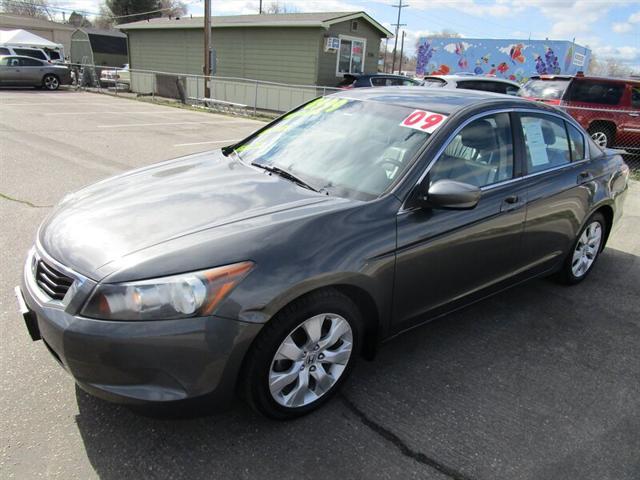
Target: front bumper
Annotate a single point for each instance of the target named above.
(138, 362)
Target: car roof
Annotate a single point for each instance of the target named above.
(455, 78)
(446, 101)
(379, 74)
(583, 78)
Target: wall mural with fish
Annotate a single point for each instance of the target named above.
(515, 60)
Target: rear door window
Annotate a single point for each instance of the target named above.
(577, 143)
(379, 81)
(30, 62)
(9, 62)
(546, 143)
(586, 91)
(28, 52)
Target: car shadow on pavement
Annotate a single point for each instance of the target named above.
(541, 381)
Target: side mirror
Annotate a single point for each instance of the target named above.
(453, 195)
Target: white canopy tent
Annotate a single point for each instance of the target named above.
(22, 38)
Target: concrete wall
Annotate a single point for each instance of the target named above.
(327, 62)
(56, 32)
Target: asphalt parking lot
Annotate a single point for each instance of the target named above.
(540, 382)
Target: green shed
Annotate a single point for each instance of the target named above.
(99, 47)
(293, 48)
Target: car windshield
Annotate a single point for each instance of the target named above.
(545, 89)
(345, 147)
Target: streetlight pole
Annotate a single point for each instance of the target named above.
(207, 47)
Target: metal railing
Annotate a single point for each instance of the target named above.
(236, 94)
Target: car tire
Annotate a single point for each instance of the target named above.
(585, 250)
(51, 82)
(287, 372)
(602, 135)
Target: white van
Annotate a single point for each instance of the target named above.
(52, 55)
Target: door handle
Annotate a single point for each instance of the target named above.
(512, 202)
(634, 114)
(584, 176)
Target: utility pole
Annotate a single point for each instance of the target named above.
(401, 52)
(207, 47)
(260, 10)
(386, 47)
(400, 6)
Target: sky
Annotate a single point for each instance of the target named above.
(610, 27)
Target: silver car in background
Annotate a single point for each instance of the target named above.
(472, 82)
(23, 71)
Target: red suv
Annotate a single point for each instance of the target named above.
(608, 108)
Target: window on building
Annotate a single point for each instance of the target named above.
(351, 55)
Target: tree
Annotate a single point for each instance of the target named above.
(276, 8)
(125, 11)
(27, 8)
(173, 8)
(78, 20)
(445, 34)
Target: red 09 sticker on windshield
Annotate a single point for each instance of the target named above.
(424, 121)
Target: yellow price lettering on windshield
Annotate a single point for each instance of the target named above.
(319, 105)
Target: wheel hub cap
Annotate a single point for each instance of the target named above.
(587, 249)
(310, 360)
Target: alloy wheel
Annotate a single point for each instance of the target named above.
(587, 249)
(310, 360)
(51, 82)
(600, 138)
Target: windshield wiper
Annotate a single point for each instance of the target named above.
(285, 174)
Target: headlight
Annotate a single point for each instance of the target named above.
(178, 296)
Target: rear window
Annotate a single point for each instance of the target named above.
(4, 51)
(544, 89)
(28, 52)
(433, 82)
(596, 92)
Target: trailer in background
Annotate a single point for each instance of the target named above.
(512, 59)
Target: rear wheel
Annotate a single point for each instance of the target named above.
(303, 355)
(602, 135)
(50, 82)
(586, 249)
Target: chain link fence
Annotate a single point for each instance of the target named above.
(612, 127)
(227, 94)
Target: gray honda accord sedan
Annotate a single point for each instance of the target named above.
(266, 268)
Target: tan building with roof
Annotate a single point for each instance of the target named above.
(296, 48)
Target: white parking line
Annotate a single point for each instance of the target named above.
(73, 104)
(125, 112)
(204, 143)
(119, 125)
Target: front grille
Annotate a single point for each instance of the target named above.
(51, 281)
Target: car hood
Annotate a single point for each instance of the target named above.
(146, 207)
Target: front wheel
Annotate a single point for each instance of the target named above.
(50, 82)
(303, 355)
(586, 249)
